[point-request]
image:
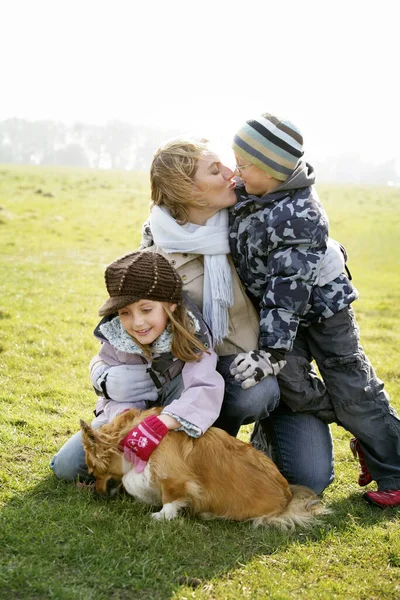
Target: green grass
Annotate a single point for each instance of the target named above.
(58, 230)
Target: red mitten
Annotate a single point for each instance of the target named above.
(142, 440)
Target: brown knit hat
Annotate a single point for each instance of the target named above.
(137, 276)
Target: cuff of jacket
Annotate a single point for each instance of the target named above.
(276, 353)
(189, 428)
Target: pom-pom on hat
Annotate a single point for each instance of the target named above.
(272, 144)
(138, 276)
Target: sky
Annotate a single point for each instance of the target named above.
(204, 67)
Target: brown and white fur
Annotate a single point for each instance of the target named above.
(215, 475)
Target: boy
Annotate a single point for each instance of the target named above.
(278, 237)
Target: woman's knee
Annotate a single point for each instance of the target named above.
(259, 400)
(301, 447)
(269, 389)
(317, 476)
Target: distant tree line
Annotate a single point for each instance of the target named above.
(120, 145)
(116, 145)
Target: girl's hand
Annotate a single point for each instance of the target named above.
(169, 421)
(141, 441)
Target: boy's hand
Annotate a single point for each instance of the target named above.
(141, 441)
(251, 367)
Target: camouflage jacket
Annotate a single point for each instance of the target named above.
(277, 243)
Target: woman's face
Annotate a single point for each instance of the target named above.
(214, 186)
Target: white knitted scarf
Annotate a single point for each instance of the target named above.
(212, 241)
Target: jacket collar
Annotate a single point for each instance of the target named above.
(302, 177)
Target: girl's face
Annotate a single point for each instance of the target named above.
(214, 186)
(144, 320)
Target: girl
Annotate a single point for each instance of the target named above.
(147, 325)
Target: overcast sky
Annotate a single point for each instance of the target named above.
(206, 66)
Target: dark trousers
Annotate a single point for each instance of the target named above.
(349, 393)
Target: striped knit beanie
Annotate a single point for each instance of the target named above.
(137, 276)
(272, 144)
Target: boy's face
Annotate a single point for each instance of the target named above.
(144, 320)
(256, 181)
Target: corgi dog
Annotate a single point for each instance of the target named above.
(215, 476)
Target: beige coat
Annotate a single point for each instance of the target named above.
(243, 319)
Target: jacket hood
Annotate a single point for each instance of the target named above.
(98, 332)
(303, 176)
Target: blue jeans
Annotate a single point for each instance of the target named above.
(69, 463)
(241, 407)
(300, 445)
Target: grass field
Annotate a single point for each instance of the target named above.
(58, 230)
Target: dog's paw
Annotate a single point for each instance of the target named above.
(161, 516)
(169, 511)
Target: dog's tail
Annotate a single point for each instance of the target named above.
(302, 511)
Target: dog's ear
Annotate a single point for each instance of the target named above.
(88, 434)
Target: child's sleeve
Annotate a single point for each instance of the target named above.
(200, 403)
(97, 368)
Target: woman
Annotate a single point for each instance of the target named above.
(191, 191)
(199, 253)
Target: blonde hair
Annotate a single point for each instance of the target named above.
(172, 174)
(185, 345)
